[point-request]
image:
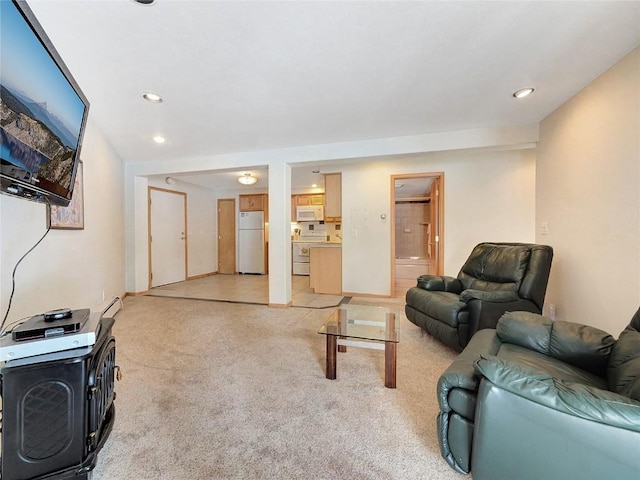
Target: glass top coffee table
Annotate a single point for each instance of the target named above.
(362, 326)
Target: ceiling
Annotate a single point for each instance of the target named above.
(412, 188)
(254, 76)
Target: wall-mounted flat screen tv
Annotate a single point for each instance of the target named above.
(43, 112)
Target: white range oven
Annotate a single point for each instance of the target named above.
(300, 252)
(300, 258)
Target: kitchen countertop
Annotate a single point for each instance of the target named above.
(313, 242)
(325, 244)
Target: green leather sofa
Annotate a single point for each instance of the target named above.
(536, 399)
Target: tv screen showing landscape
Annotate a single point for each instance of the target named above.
(42, 110)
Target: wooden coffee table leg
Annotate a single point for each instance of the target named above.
(332, 343)
(390, 354)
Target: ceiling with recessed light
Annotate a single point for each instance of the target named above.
(253, 76)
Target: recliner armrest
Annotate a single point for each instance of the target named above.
(461, 373)
(440, 283)
(495, 296)
(575, 399)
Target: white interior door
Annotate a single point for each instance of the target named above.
(168, 237)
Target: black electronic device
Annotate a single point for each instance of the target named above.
(44, 112)
(57, 314)
(40, 327)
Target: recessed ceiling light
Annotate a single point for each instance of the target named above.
(159, 139)
(524, 92)
(152, 97)
(314, 185)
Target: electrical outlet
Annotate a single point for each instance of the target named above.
(550, 311)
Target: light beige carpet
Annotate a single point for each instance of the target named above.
(230, 391)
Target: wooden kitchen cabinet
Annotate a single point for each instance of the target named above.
(325, 270)
(310, 199)
(333, 197)
(253, 203)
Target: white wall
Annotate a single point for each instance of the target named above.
(280, 236)
(70, 268)
(588, 190)
(466, 147)
(488, 196)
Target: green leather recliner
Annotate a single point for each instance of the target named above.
(496, 278)
(537, 399)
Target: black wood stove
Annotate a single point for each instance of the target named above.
(58, 410)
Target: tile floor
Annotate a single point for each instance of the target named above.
(245, 289)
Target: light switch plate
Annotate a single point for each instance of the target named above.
(544, 228)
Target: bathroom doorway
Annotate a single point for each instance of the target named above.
(417, 217)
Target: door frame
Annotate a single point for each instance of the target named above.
(186, 237)
(439, 235)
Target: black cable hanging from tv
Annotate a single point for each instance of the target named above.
(13, 274)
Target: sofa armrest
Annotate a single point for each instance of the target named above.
(457, 392)
(583, 401)
(496, 296)
(461, 373)
(440, 283)
(584, 346)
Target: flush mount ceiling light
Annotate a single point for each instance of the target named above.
(152, 97)
(247, 179)
(159, 139)
(523, 92)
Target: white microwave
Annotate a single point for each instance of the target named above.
(310, 213)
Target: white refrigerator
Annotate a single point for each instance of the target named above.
(251, 242)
